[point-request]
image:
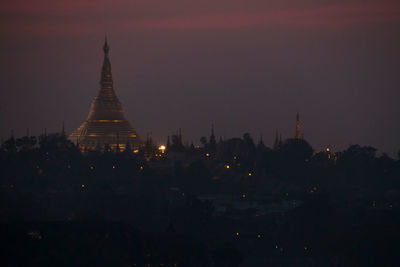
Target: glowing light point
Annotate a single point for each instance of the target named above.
(162, 148)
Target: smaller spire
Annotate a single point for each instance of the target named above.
(106, 48)
(213, 142)
(261, 143)
(298, 133)
(63, 128)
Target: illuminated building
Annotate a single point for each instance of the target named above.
(106, 127)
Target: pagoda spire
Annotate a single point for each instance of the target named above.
(106, 104)
(106, 81)
(106, 48)
(106, 123)
(298, 134)
(212, 136)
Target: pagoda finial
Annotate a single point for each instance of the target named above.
(106, 48)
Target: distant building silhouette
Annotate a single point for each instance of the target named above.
(106, 127)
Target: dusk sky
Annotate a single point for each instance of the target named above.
(246, 65)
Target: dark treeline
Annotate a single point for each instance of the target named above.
(232, 202)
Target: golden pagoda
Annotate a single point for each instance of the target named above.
(106, 128)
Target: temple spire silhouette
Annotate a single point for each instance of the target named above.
(298, 133)
(63, 129)
(213, 141)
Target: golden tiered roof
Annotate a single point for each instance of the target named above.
(106, 126)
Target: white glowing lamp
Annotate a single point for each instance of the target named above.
(162, 148)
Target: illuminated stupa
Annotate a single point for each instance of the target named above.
(106, 127)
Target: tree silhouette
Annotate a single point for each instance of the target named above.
(296, 150)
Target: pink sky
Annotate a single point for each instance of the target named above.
(246, 65)
(85, 17)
